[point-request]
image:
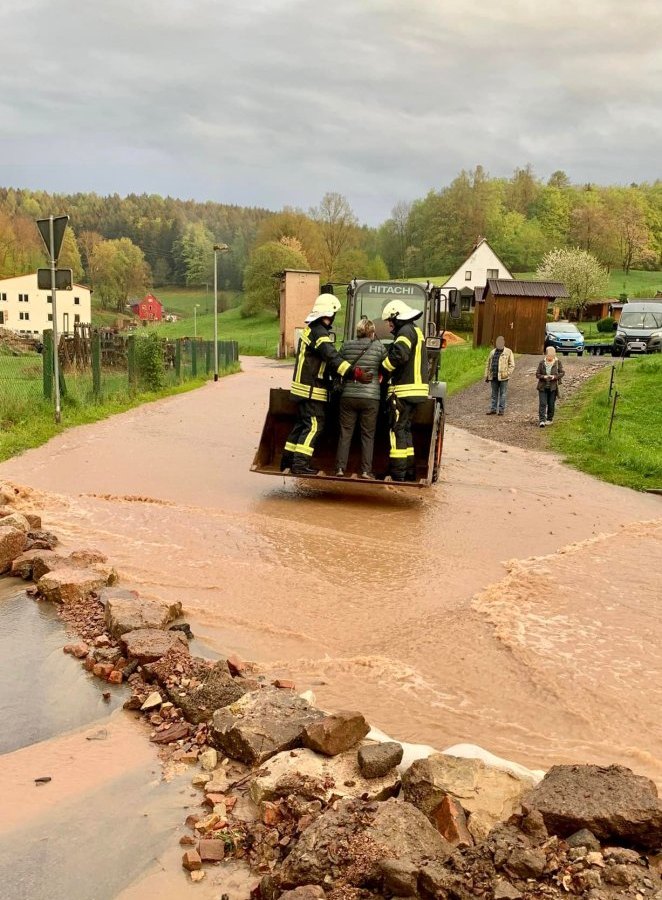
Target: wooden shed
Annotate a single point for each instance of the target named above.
(517, 310)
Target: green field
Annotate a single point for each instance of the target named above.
(632, 454)
(27, 420)
(635, 284)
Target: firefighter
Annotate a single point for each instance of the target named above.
(407, 368)
(316, 361)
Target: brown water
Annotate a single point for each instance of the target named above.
(514, 605)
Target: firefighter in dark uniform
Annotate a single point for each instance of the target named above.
(406, 366)
(317, 360)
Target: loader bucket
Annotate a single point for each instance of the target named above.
(427, 430)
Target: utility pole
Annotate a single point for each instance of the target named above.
(218, 248)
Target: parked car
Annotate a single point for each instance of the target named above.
(564, 337)
(639, 330)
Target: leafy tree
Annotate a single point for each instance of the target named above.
(261, 282)
(581, 273)
(120, 272)
(337, 225)
(70, 255)
(294, 223)
(195, 250)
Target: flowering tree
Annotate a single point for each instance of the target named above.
(583, 276)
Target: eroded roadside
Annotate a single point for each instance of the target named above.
(291, 802)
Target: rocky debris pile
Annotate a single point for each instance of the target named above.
(314, 808)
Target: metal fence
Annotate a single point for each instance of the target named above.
(96, 368)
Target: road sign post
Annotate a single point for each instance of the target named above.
(52, 232)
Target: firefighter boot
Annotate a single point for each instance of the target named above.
(301, 466)
(286, 460)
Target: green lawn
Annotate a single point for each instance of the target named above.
(461, 366)
(28, 421)
(635, 284)
(632, 454)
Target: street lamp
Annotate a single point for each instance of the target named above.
(195, 320)
(218, 248)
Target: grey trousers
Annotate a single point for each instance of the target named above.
(365, 410)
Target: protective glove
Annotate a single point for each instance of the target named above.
(361, 376)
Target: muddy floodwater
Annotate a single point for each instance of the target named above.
(515, 605)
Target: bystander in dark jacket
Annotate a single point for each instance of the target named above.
(549, 373)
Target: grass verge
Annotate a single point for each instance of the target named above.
(462, 365)
(632, 454)
(34, 424)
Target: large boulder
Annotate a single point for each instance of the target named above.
(261, 724)
(124, 614)
(611, 802)
(376, 760)
(23, 565)
(314, 777)
(45, 561)
(348, 843)
(12, 544)
(335, 733)
(218, 689)
(15, 520)
(149, 644)
(68, 584)
(487, 794)
(38, 539)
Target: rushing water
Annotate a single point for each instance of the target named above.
(515, 605)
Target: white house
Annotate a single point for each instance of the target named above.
(481, 264)
(27, 310)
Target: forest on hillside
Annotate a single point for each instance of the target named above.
(122, 245)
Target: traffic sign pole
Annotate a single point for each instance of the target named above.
(56, 355)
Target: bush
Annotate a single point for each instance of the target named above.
(150, 360)
(605, 325)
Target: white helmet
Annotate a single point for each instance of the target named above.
(398, 309)
(325, 305)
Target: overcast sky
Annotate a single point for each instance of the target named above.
(275, 102)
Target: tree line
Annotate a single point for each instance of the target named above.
(123, 245)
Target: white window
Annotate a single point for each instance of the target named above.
(3, 297)
(77, 301)
(492, 273)
(76, 318)
(49, 298)
(467, 275)
(50, 317)
(24, 315)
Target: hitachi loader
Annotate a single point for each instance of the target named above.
(367, 299)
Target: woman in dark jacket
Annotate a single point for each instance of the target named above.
(549, 374)
(360, 401)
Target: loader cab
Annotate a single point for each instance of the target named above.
(368, 299)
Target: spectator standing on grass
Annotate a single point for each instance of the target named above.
(499, 367)
(549, 374)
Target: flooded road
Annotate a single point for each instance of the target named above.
(512, 606)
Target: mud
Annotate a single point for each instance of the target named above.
(410, 607)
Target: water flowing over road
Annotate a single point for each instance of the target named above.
(514, 605)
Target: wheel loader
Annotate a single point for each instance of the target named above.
(367, 299)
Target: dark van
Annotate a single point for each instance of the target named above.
(639, 330)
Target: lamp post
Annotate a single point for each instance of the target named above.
(195, 320)
(218, 248)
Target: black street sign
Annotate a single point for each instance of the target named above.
(59, 227)
(63, 279)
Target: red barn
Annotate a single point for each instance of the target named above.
(149, 309)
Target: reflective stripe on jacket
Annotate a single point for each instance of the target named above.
(314, 354)
(406, 363)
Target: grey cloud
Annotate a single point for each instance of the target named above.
(277, 101)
